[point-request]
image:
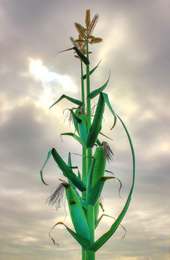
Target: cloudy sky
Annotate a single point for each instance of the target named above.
(137, 51)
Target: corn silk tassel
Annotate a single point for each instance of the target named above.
(83, 188)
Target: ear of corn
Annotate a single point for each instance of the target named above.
(83, 189)
(100, 164)
(77, 213)
(97, 122)
(95, 175)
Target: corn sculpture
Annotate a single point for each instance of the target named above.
(83, 190)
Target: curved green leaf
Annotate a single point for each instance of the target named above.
(42, 169)
(83, 242)
(106, 215)
(104, 238)
(107, 101)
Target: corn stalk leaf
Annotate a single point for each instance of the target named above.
(76, 137)
(92, 70)
(76, 120)
(83, 129)
(73, 100)
(81, 56)
(42, 169)
(67, 171)
(83, 242)
(95, 192)
(69, 160)
(104, 238)
(97, 122)
(107, 101)
(97, 91)
(90, 175)
(79, 175)
(69, 49)
(106, 215)
(79, 121)
(106, 136)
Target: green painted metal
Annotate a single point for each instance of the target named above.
(83, 189)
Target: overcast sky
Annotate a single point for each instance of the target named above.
(136, 49)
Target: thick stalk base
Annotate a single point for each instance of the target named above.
(88, 255)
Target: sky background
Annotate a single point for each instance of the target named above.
(136, 49)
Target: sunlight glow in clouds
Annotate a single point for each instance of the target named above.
(50, 80)
(41, 73)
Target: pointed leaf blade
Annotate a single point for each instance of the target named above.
(67, 171)
(82, 56)
(83, 242)
(97, 91)
(94, 194)
(76, 137)
(92, 70)
(42, 169)
(107, 101)
(73, 100)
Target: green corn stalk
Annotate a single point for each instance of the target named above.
(83, 190)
